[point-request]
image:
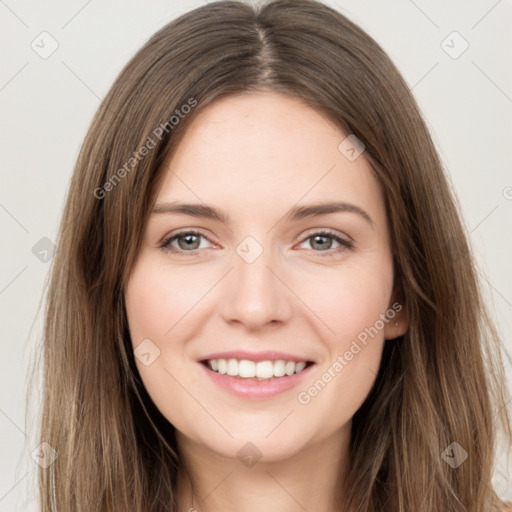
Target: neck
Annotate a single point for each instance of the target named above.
(307, 480)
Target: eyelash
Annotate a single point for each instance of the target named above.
(345, 244)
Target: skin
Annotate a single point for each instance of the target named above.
(255, 156)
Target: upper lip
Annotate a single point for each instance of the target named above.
(269, 355)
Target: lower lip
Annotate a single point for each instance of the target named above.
(248, 388)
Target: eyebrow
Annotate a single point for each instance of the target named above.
(295, 213)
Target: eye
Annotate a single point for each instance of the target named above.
(323, 241)
(188, 242)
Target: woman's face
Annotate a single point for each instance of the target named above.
(259, 282)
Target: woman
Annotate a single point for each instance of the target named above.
(262, 296)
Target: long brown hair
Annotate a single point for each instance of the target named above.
(440, 383)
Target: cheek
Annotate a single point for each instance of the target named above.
(348, 300)
(157, 299)
(159, 306)
(352, 303)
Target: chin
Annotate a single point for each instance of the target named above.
(261, 442)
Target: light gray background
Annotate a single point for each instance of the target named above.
(47, 105)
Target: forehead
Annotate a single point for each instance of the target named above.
(249, 129)
(262, 150)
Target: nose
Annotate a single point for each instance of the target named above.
(255, 292)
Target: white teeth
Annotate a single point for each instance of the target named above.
(279, 368)
(223, 366)
(232, 367)
(300, 366)
(246, 369)
(264, 370)
(289, 368)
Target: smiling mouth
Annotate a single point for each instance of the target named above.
(245, 369)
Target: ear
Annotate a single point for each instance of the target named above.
(398, 322)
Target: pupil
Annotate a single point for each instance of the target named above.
(321, 237)
(189, 240)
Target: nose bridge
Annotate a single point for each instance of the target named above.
(256, 296)
(252, 262)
